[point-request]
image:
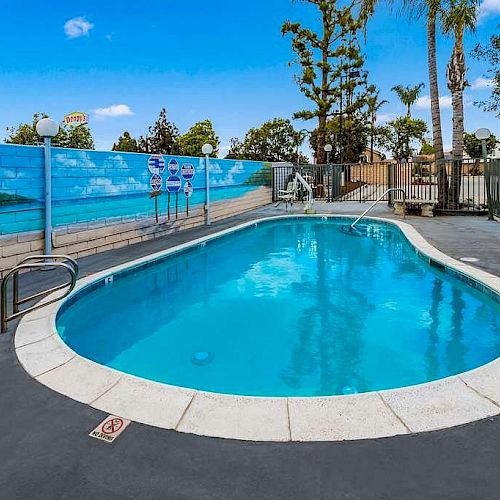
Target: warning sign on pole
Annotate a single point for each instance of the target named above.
(155, 182)
(187, 171)
(173, 184)
(110, 428)
(156, 164)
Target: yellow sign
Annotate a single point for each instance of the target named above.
(76, 118)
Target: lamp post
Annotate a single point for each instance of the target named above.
(328, 150)
(350, 74)
(483, 134)
(207, 150)
(47, 129)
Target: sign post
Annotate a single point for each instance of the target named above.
(187, 172)
(173, 185)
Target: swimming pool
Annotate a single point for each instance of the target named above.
(294, 307)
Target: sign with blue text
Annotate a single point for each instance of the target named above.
(156, 164)
(173, 166)
(188, 189)
(155, 182)
(173, 184)
(187, 171)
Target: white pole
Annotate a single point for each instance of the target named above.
(207, 190)
(48, 197)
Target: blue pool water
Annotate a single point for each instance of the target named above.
(293, 307)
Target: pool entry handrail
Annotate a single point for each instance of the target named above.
(379, 199)
(47, 262)
(308, 188)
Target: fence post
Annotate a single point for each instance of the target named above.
(389, 182)
(487, 177)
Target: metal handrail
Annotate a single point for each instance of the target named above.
(379, 199)
(15, 278)
(54, 261)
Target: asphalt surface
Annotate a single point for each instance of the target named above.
(46, 452)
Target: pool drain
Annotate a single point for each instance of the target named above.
(201, 358)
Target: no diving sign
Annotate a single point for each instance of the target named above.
(110, 428)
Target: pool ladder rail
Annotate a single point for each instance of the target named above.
(390, 190)
(43, 262)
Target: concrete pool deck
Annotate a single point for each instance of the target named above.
(328, 470)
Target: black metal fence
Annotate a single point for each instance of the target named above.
(494, 187)
(453, 186)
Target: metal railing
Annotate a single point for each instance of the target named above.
(462, 190)
(387, 191)
(493, 184)
(34, 262)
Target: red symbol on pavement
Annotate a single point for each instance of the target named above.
(112, 426)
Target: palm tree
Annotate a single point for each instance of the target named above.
(430, 8)
(458, 17)
(408, 95)
(374, 105)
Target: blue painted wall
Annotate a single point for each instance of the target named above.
(95, 185)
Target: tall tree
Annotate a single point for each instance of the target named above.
(408, 95)
(354, 134)
(235, 150)
(459, 16)
(126, 143)
(398, 135)
(374, 105)
(319, 79)
(161, 136)
(491, 54)
(191, 142)
(431, 9)
(275, 141)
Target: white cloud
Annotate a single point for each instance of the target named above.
(77, 27)
(489, 7)
(482, 83)
(424, 102)
(112, 111)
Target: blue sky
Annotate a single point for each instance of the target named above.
(223, 60)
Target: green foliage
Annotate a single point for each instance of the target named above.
(473, 146)
(326, 57)
(126, 143)
(274, 141)
(408, 95)
(235, 150)
(426, 149)
(491, 54)
(191, 142)
(398, 135)
(354, 138)
(78, 137)
(161, 137)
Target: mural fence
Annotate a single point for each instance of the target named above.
(97, 186)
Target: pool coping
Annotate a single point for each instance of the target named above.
(448, 402)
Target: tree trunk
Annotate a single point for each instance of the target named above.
(322, 115)
(456, 84)
(437, 136)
